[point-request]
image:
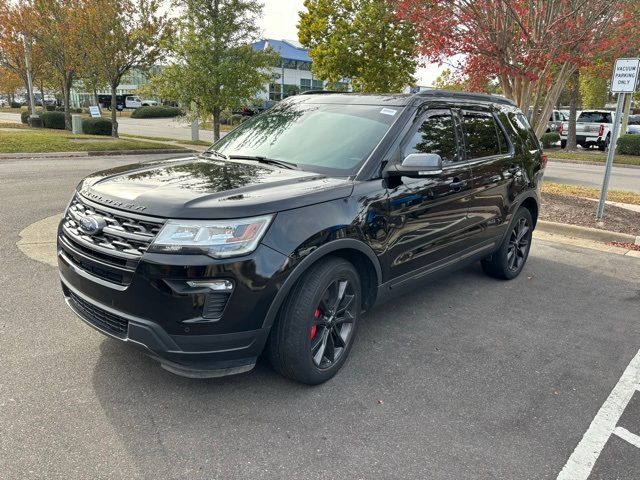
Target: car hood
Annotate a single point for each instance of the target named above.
(195, 188)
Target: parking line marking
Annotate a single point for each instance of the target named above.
(625, 434)
(584, 457)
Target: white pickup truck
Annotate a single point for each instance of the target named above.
(593, 127)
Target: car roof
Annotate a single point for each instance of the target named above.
(401, 99)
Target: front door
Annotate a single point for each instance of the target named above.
(428, 216)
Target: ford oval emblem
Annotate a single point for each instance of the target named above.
(92, 224)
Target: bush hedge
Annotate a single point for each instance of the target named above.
(156, 112)
(629, 144)
(24, 116)
(53, 120)
(96, 126)
(549, 139)
(15, 105)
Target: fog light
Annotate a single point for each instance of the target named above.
(213, 285)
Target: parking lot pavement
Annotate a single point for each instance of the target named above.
(622, 178)
(465, 378)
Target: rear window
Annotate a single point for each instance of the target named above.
(483, 136)
(595, 117)
(634, 119)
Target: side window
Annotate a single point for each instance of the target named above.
(524, 131)
(483, 136)
(436, 134)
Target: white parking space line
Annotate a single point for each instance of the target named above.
(584, 457)
(625, 434)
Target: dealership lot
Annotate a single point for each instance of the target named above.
(467, 378)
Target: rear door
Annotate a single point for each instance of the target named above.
(428, 216)
(496, 172)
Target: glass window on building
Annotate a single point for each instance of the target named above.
(304, 65)
(308, 84)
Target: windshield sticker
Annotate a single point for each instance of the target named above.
(388, 111)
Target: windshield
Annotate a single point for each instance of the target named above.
(325, 138)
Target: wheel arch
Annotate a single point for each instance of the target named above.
(358, 253)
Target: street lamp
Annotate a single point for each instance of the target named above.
(34, 119)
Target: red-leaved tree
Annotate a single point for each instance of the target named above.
(531, 46)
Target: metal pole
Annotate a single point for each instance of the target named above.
(282, 81)
(610, 154)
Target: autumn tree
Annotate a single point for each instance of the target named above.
(9, 82)
(531, 46)
(59, 29)
(363, 40)
(214, 65)
(121, 35)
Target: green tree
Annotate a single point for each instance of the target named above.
(446, 81)
(215, 65)
(594, 85)
(121, 35)
(359, 39)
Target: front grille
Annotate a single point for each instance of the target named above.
(99, 317)
(113, 253)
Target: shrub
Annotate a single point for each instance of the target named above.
(53, 120)
(96, 126)
(24, 116)
(629, 144)
(550, 139)
(51, 108)
(156, 112)
(59, 109)
(15, 105)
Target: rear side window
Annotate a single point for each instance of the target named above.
(436, 134)
(594, 117)
(483, 136)
(524, 131)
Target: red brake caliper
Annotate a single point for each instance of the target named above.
(314, 327)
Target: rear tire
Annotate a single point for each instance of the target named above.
(313, 334)
(509, 260)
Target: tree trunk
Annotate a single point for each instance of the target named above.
(216, 124)
(573, 111)
(625, 113)
(114, 111)
(42, 95)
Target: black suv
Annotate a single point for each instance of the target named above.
(280, 235)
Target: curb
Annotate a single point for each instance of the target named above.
(15, 156)
(590, 162)
(586, 233)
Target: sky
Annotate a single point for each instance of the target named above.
(280, 20)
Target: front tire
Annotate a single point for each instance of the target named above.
(509, 260)
(314, 332)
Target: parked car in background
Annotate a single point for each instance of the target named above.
(555, 121)
(49, 100)
(593, 128)
(291, 226)
(633, 126)
(125, 101)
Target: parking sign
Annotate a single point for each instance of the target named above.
(625, 75)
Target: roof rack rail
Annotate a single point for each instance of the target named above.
(318, 92)
(487, 97)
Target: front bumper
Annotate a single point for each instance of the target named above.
(169, 324)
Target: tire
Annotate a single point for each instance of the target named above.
(563, 144)
(308, 342)
(509, 260)
(604, 146)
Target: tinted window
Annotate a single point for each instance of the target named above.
(634, 119)
(436, 134)
(324, 138)
(482, 135)
(594, 117)
(524, 131)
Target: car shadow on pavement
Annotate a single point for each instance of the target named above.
(510, 364)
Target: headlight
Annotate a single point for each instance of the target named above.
(218, 238)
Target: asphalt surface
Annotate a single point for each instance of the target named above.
(622, 178)
(465, 378)
(151, 127)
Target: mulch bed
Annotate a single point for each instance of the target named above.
(582, 212)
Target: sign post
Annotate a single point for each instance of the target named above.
(623, 82)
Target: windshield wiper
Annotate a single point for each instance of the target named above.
(269, 161)
(215, 153)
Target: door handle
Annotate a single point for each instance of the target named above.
(456, 184)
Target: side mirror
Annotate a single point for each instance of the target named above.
(417, 165)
